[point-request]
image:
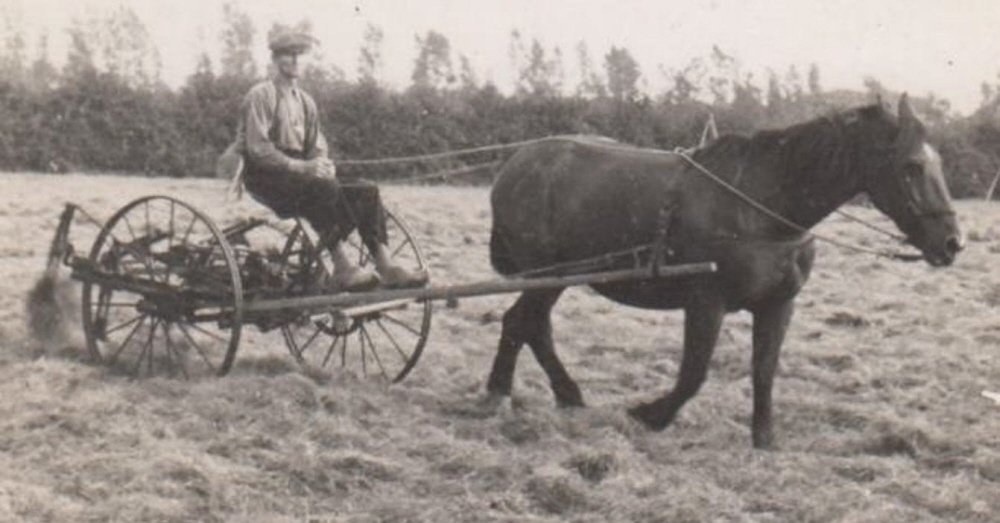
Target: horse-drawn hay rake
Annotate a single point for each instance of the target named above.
(165, 291)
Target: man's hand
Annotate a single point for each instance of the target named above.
(322, 167)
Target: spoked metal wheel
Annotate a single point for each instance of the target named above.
(382, 340)
(163, 294)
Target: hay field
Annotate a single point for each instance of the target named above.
(878, 405)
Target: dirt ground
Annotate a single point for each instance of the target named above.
(879, 408)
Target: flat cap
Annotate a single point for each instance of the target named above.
(290, 42)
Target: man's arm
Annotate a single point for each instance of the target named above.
(319, 150)
(258, 118)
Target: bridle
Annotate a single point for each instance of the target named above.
(894, 255)
(914, 212)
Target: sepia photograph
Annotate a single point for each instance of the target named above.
(376, 261)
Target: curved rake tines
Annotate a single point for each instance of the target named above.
(275, 261)
(173, 304)
(384, 340)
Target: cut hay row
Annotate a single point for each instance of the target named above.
(879, 400)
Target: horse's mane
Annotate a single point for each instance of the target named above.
(794, 147)
(799, 145)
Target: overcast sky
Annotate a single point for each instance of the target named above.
(948, 47)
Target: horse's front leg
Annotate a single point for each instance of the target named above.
(770, 322)
(702, 323)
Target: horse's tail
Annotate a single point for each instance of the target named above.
(500, 256)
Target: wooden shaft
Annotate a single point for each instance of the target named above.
(501, 286)
(361, 310)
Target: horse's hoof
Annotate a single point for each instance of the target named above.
(572, 403)
(568, 395)
(764, 443)
(647, 415)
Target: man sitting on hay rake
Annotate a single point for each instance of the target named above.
(287, 168)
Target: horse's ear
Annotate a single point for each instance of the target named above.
(881, 103)
(912, 130)
(906, 113)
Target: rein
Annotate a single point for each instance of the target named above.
(898, 237)
(785, 221)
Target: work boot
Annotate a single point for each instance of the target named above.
(396, 277)
(353, 279)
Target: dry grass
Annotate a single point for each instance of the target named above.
(878, 406)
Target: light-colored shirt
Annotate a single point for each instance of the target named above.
(290, 130)
(277, 120)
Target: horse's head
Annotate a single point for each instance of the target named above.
(908, 185)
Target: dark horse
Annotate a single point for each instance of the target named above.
(565, 199)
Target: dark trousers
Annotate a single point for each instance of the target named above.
(332, 207)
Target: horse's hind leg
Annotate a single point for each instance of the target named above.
(701, 331)
(512, 338)
(529, 321)
(566, 390)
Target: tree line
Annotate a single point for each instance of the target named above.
(107, 109)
